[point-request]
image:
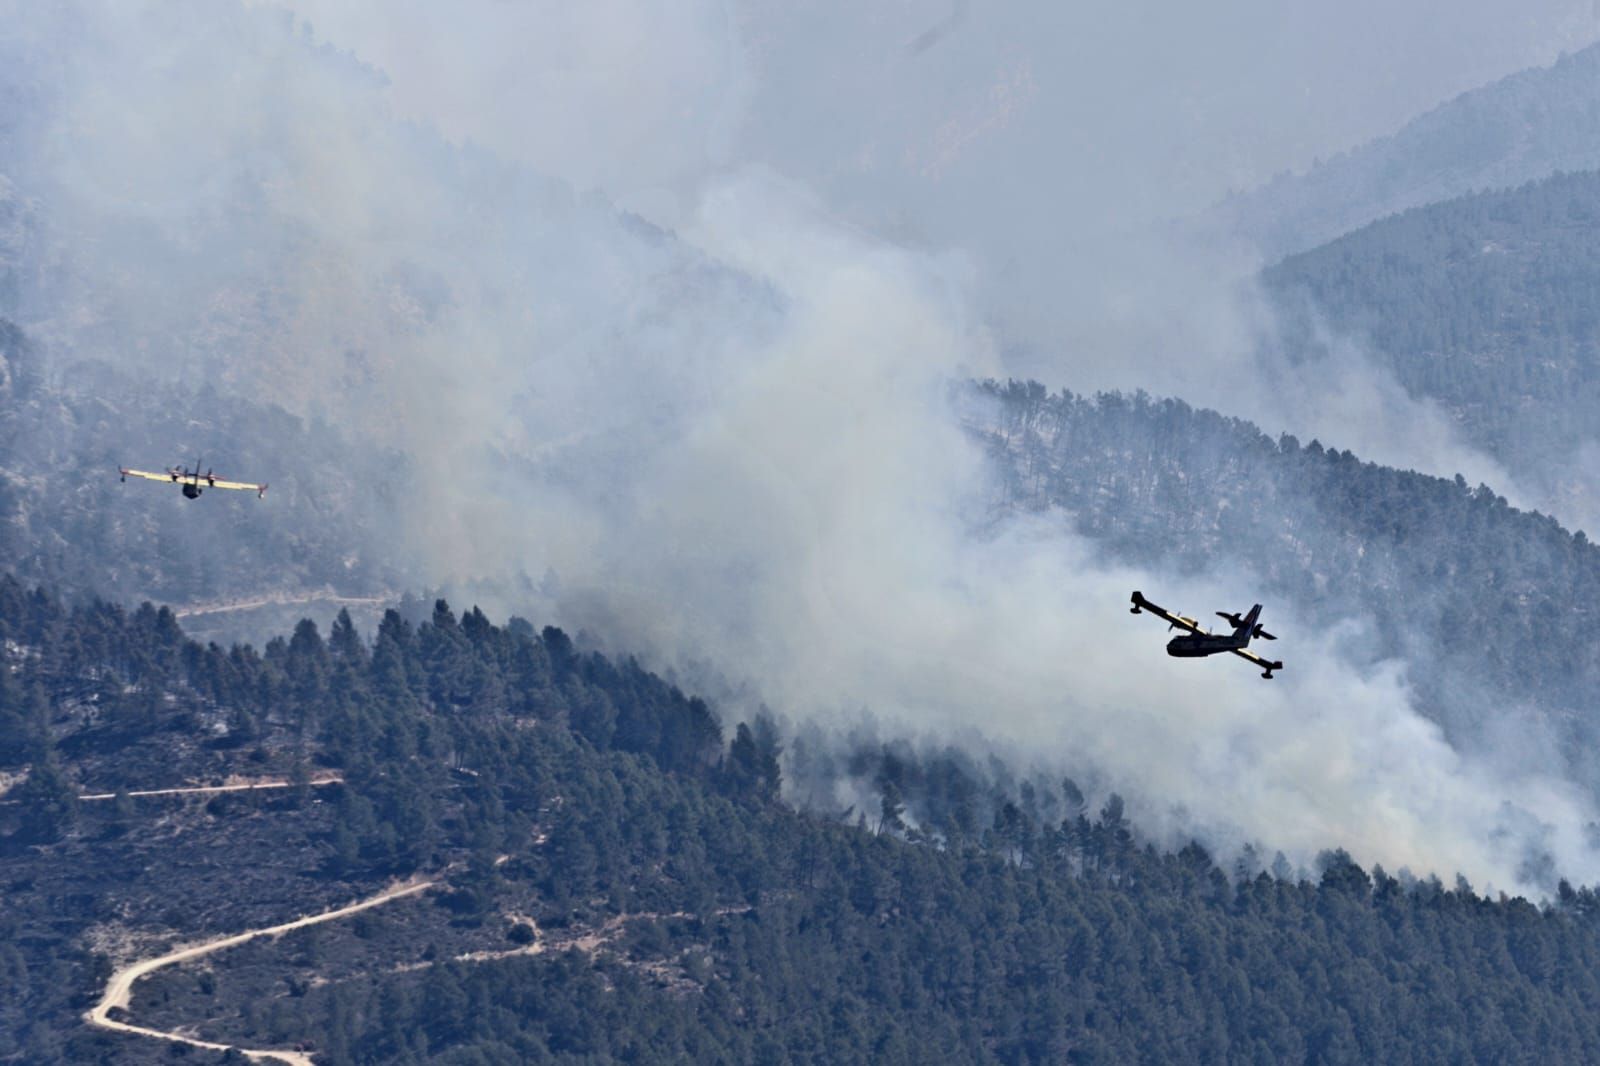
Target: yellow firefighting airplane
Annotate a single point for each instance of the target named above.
(1202, 642)
(193, 481)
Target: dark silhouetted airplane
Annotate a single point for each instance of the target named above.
(1198, 642)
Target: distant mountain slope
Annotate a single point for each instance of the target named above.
(1525, 126)
(1494, 609)
(329, 520)
(1486, 304)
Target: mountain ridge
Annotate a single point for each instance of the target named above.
(1524, 126)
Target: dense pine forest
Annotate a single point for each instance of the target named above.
(620, 877)
(1493, 607)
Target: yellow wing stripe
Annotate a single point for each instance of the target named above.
(1245, 653)
(1180, 621)
(147, 475)
(218, 483)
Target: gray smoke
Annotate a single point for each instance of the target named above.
(727, 443)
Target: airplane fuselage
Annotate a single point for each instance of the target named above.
(1194, 646)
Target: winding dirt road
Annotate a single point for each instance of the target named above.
(206, 790)
(119, 990)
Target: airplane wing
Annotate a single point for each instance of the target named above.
(1267, 665)
(221, 484)
(147, 475)
(1191, 624)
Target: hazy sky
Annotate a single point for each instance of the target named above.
(941, 109)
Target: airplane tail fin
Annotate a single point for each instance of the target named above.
(1247, 627)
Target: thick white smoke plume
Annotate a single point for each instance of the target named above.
(817, 531)
(731, 443)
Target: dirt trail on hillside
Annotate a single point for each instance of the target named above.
(206, 790)
(278, 599)
(119, 990)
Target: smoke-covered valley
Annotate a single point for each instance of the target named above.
(725, 425)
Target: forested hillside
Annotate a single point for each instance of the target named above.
(1485, 304)
(1521, 128)
(1494, 609)
(612, 878)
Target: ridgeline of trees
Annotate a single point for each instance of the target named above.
(1494, 608)
(1485, 304)
(952, 923)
